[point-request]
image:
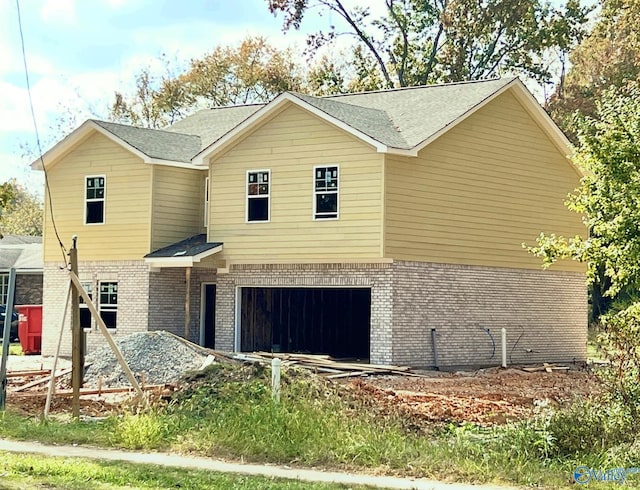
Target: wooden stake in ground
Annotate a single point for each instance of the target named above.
(52, 382)
(77, 345)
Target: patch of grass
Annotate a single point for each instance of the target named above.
(26, 472)
(15, 349)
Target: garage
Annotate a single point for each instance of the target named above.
(334, 321)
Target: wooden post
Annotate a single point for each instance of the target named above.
(77, 344)
(6, 338)
(105, 331)
(187, 304)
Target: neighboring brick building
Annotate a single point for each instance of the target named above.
(363, 226)
(24, 253)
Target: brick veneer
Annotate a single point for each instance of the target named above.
(28, 289)
(133, 300)
(544, 312)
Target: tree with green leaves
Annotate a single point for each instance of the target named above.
(417, 42)
(608, 56)
(21, 212)
(252, 72)
(609, 200)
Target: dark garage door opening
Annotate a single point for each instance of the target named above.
(332, 321)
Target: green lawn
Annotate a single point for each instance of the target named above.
(26, 472)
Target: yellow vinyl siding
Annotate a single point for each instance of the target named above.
(125, 233)
(290, 145)
(478, 192)
(178, 204)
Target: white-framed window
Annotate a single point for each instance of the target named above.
(94, 199)
(4, 289)
(108, 303)
(325, 192)
(85, 314)
(206, 202)
(258, 195)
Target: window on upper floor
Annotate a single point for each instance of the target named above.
(258, 184)
(85, 314)
(108, 303)
(4, 289)
(325, 190)
(206, 202)
(94, 196)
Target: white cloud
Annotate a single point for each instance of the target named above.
(58, 12)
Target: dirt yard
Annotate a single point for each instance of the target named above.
(487, 396)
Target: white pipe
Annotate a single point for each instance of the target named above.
(504, 346)
(275, 379)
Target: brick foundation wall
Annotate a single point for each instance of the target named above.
(167, 300)
(375, 276)
(544, 312)
(28, 289)
(133, 300)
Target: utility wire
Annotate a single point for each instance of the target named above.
(35, 126)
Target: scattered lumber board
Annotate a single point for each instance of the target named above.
(23, 374)
(549, 368)
(96, 391)
(45, 379)
(321, 364)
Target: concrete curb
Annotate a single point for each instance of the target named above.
(174, 460)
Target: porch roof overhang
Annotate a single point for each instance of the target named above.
(184, 253)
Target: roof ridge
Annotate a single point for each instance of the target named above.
(417, 87)
(129, 126)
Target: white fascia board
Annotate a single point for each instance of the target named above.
(541, 116)
(161, 262)
(265, 112)
(83, 132)
(207, 253)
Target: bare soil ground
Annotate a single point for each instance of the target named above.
(487, 396)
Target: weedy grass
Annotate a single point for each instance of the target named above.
(15, 350)
(228, 411)
(25, 472)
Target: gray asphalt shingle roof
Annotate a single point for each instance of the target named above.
(21, 252)
(212, 123)
(156, 143)
(398, 118)
(189, 247)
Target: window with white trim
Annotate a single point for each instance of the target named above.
(4, 289)
(206, 202)
(325, 192)
(85, 314)
(94, 197)
(108, 303)
(258, 184)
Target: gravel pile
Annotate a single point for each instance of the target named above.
(162, 357)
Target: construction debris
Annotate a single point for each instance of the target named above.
(161, 356)
(321, 364)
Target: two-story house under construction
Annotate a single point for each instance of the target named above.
(365, 225)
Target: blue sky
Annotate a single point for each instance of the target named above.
(80, 51)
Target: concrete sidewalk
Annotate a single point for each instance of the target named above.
(199, 463)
